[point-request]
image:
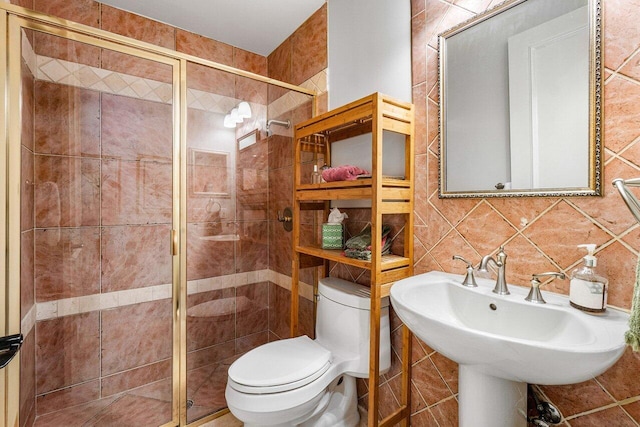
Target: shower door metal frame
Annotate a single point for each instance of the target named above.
(12, 19)
(14, 120)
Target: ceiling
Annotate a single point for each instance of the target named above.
(258, 26)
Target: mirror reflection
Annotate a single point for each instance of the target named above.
(518, 102)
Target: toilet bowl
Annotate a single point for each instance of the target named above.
(304, 382)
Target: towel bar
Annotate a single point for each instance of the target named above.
(629, 199)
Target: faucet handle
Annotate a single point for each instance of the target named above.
(469, 279)
(535, 296)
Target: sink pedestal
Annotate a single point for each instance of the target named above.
(485, 400)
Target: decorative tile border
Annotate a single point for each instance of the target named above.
(84, 304)
(87, 77)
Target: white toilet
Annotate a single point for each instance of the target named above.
(304, 382)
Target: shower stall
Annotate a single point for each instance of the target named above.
(139, 218)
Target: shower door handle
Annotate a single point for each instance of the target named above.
(9, 346)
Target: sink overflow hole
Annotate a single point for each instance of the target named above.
(493, 307)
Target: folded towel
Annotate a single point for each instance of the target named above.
(343, 173)
(632, 337)
(359, 246)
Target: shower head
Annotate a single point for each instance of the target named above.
(286, 124)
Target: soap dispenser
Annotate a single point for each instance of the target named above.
(588, 289)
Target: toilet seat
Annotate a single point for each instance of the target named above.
(279, 366)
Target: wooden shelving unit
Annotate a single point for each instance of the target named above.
(313, 140)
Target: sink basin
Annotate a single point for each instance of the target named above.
(506, 341)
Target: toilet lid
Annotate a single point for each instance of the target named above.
(281, 365)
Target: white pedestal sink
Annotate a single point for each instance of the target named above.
(503, 342)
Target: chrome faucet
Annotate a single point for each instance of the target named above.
(500, 261)
(535, 296)
(469, 280)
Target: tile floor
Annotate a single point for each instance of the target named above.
(149, 405)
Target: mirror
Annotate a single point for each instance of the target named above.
(520, 101)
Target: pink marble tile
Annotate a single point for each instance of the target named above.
(27, 290)
(429, 383)
(632, 68)
(420, 133)
(27, 190)
(138, 27)
(620, 122)
(67, 191)
(253, 309)
(418, 48)
(210, 80)
(23, 3)
(75, 416)
(68, 50)
(251, 90)
(250, 61)
(309, 45)
(608, 417)
(136, 66)
(67, 351)
(206, 356)
(137, 377)
(27, 378)
(67, 120)
(417, 6)
(81, 11)
(577, 398)
(206, 257)
(249, 342)
(211, 394)
(67, 263)
(27, 98)
(253, 247)
(135, 257)
(203, 47)
(68, 397)
(446, 412)
(161, 390)
(621, 34)
(211, 318)
(551, 234)
(280, 62)
(133, 410)
(617, 380)
(125, 347)
(135, 129)
(280, 151)
(136, 192)
(472, 228)
(279, 304)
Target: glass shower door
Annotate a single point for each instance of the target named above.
(97, 173)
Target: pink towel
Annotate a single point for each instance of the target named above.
(343, 173)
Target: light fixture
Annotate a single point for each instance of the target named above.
(244, 110)
(237, 115)
(229, 122)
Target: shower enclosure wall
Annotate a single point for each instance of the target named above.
(138, 231)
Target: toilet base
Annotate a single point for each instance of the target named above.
(338, 407)
(342, 409)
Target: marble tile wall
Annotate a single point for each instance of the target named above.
(539, 234)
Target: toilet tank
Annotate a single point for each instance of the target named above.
(343, 324)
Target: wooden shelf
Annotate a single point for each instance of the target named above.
(388, 262)
(388, 195)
